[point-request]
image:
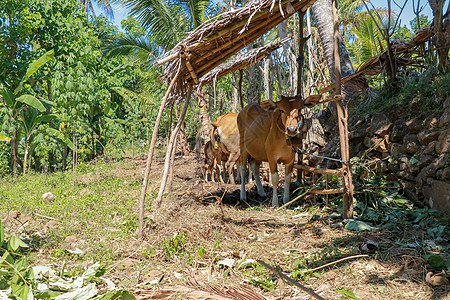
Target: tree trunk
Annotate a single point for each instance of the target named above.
(267, 95)
(235, 90)
(251, 91)
(441, 39)
(15, 161)
(290, 59)
(323, 16)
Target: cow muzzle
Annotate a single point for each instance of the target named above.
(293, 131)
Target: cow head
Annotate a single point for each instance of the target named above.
(290, 113)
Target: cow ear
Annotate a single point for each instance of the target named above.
(268, 105)
(312, 100)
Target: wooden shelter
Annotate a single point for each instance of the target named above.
(196, 59)
(218, 39)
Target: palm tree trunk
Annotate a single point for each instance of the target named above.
(323, 16)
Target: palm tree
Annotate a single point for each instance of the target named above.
(105, 5)
(323, 16)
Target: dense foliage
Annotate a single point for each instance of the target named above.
(74, 83)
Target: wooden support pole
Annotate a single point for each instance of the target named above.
(299, 92)
(170, 149)
(327, 191)
(343, 124)
(151, 150)
(332, 172)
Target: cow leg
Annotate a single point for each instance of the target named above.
(275, 179)
(255, 169)
(287, 181)
(231, 162)
(242, 170)
(242, 166)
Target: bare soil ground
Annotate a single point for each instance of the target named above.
(194, 244)
(212, 219)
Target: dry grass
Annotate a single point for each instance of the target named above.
(158, 269)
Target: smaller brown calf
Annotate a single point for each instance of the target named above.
(210, 161)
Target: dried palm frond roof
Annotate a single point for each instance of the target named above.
(377, 64)
(242, 61)
(218, 39)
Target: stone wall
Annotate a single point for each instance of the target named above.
(414, 152)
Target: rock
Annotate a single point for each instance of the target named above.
(440, 196)
(407, 184)
(443, 142)
(431, 122)
(414, 169)
(425, 160)
(357, 134)
(396, 149)
(51, 224)
(393, 167)
(391, 177)
(441, 161)
(153, 276)
(399, 130)
(381, 143)
(381, 167)
(444, 119)
(414, 125)
(48, 197)
(445, 174)
(426, 136)
(316, 133)
(380, 124)
(411, 195)
(70, 239)
(14, 214)
(429, 149)
(426, 190)
(411, 143)
(406, 174)
(330, 275)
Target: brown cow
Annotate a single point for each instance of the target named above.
(225, 135)
(215, 160)
(268, 131)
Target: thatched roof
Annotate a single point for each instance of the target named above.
(218, 39)
(377, 64)
(241, 61)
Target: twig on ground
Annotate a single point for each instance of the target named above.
(290, 280)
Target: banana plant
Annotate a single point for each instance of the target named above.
(16, 103)
(30, 120)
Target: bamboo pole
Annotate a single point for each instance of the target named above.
(343, 124)
(170, 149)
(151, 150)
(327, 191)
(338, 172)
